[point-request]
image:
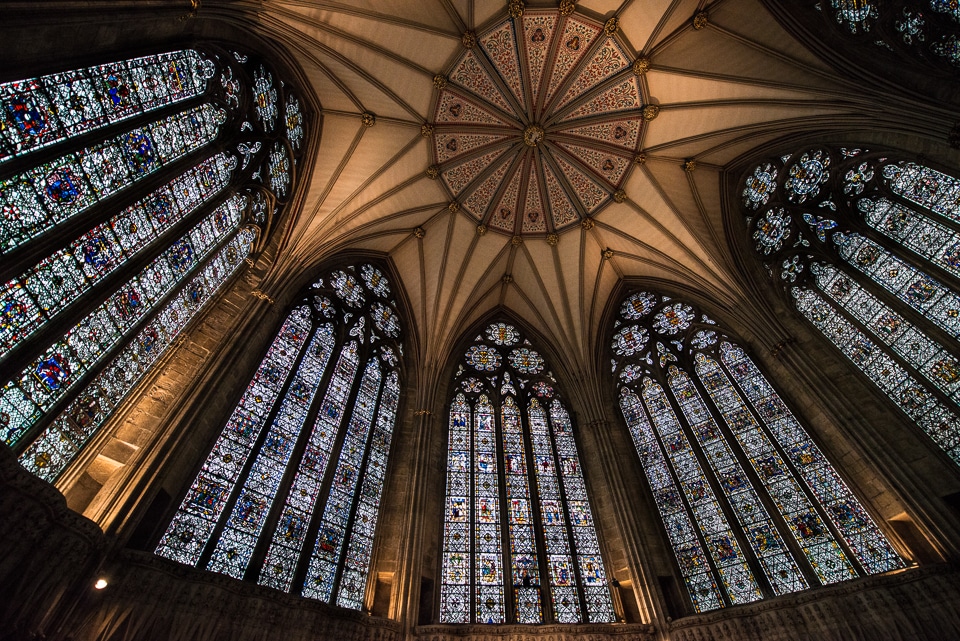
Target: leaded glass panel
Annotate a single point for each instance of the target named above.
(147, 267)
(519, 532)
(873, 262)
(43, 111)
(720, 449)
(284, 515)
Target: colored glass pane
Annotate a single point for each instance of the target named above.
(738, 580)
(193, 524)
(294, 121)
(53, 192)
(352, 415)
(524, 565)
(65, 362)
(940, 422)
(39, 112)
(528, 518)
(56, 446)
(843, 509)
(279, 169)
(46, 290)
(265, 97)
(693, 562)
(526, 361)
(328, 550)
(917, 350)
(246, 520)
(814, 537)
(360, 547)
(888, 299)
(503, 334)
(592, 574)
(762, 535)
(458, 523)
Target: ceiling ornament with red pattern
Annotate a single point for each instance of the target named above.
(537, 123)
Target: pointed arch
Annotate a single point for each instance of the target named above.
(751, 506)
(861, 243)
(519, 540)
(289, 495)
(132, 191)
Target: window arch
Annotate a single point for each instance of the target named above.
(131, 192)
(924, 29)
(867, 247)
(751, 506)
(289, 495)
(515, 496)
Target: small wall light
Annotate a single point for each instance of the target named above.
(100, 584)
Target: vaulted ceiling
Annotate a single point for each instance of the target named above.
(462, 220)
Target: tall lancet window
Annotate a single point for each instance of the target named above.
(749, 503)
(290, 493)
(867, 246)
(131, 193)
(519, 542)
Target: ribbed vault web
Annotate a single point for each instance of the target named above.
(720, 78)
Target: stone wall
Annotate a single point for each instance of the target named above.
(51, 557)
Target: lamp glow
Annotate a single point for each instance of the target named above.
(100, 584)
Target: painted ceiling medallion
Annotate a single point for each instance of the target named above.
(538, 125)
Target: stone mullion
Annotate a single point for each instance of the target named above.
(691, 513)
(276, 508)
(791, 468)
(568, 525)
(51, 414)
(323, 493)
(361, 473)
(217, 531)
(506, 556)
(536, 515)
(23, 353)
(778, 519)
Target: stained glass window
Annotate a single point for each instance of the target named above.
(924, 29)
(100, 280)
(872, 260)
(290, 492)
(519, 541)
(749, 503)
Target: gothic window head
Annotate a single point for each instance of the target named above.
(750, 505)
(519, 541)
(289, 495)
(866, 245)
(926, 30)
(132, 192)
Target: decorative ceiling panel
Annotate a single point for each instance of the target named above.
(458, 177)
(455, 108)
(502, 71)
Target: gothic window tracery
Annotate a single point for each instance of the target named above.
(519, 541)
(132, 192)
(749, 503)
(289, 495)
(870, 257)
(925, 29)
